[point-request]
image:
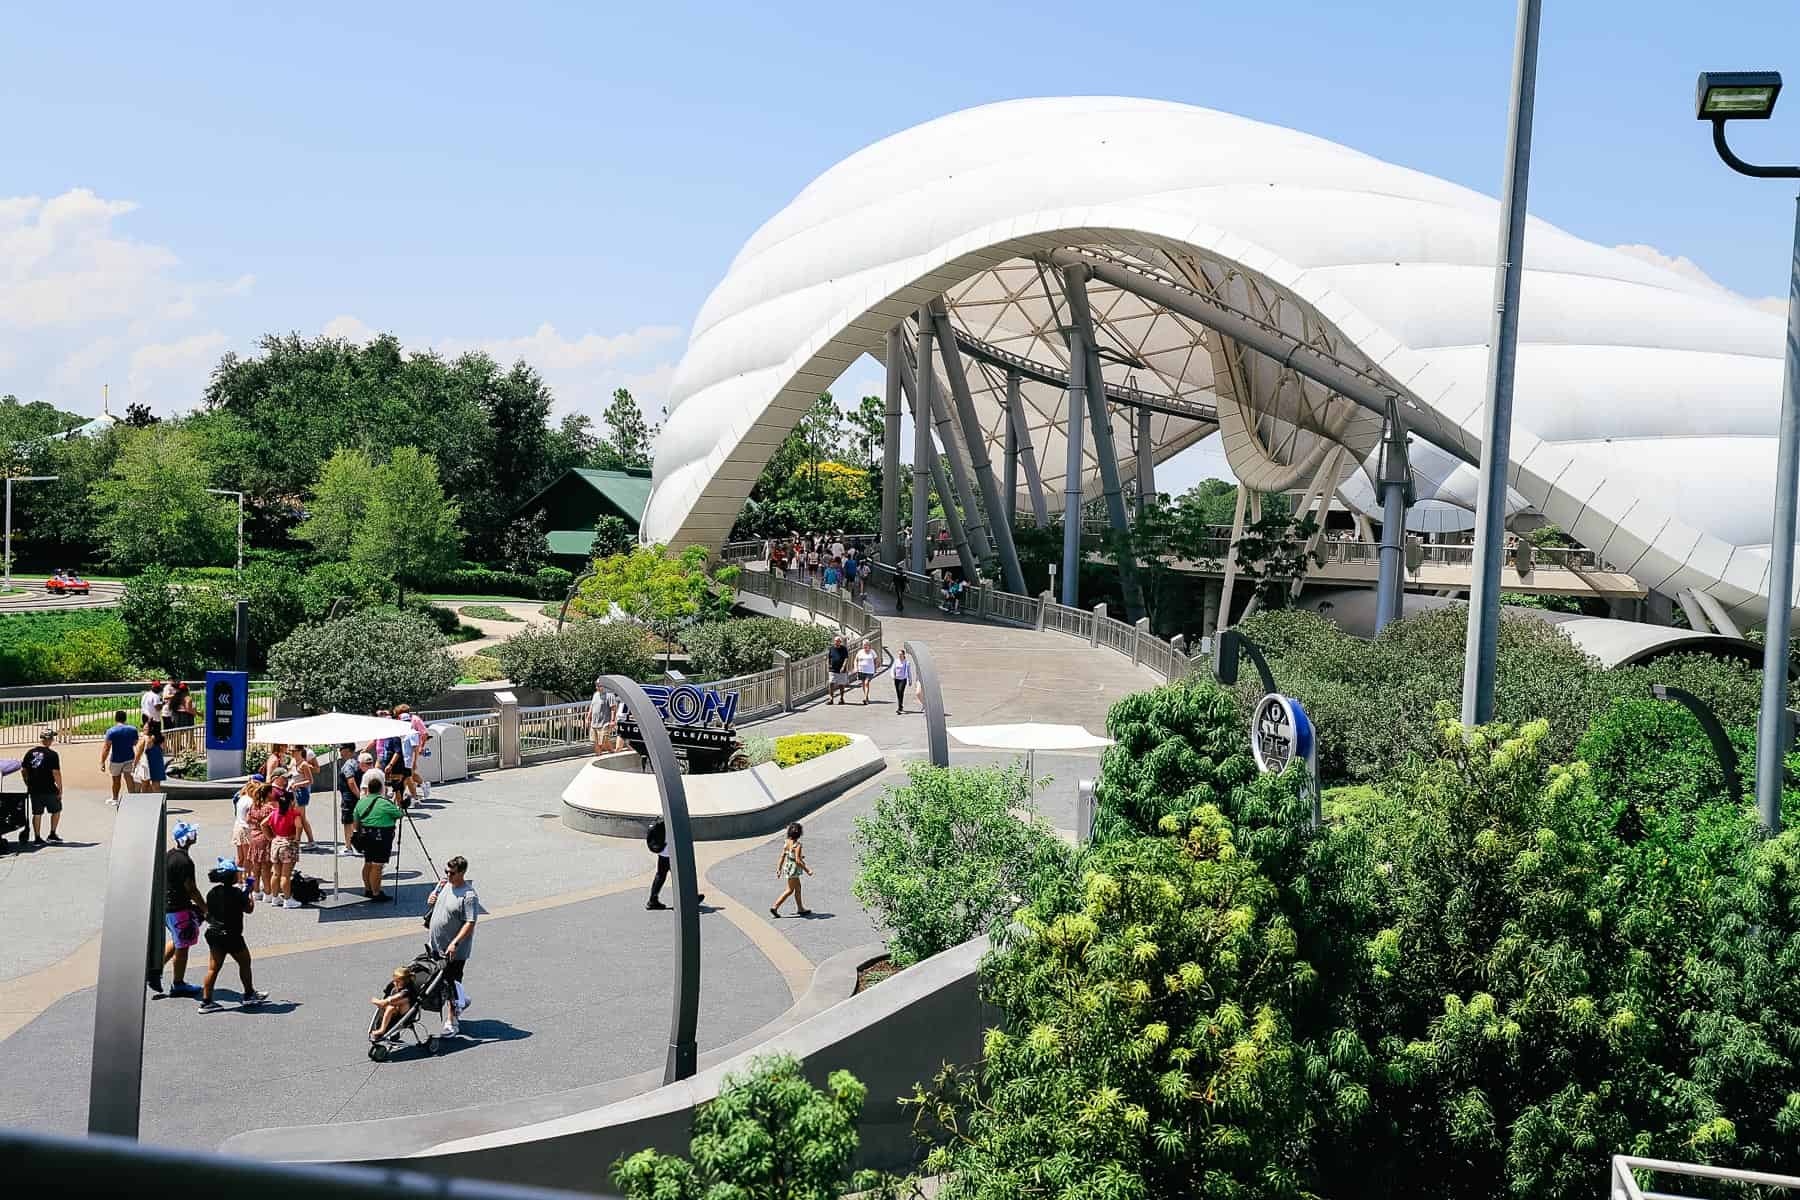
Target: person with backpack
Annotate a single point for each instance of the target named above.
(183, 908)
(376, 818)
(657, 839)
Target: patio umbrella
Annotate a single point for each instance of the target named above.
(1029, 736)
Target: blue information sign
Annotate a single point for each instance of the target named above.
(227, 710)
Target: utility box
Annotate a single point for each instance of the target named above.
(446, 757)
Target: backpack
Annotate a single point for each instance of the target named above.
(305, 888)
(656, 837)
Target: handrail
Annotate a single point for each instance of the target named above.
(1625, 1185)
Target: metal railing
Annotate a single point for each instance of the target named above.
(738, 552)
(1117, 635)
(86, 714)
(1625, 1185)
(553, 730)
(481, 728)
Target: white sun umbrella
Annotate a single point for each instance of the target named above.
(326, 729)
(1029, 736)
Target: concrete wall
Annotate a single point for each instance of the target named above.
(891, 1037)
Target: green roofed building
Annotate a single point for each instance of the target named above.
(579, 498)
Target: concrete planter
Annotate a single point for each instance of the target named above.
(736, 804)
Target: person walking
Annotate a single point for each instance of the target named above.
(117, 753)
(302, 770)
(42, 769)
(837, 663)
(899, 589)
(412, 751)
(183, 908)
(790, 867)
(150, 765)
(903, 670)
(376, 818)
(603, 719)
(866, 663)
(831, 575)
(150, 706)
(451, 930)
(227, 904)
(283, 825)
(392, 761)
(185, 715)
(657, 839)
(349, 791)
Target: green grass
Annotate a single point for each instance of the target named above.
(481, 668)
(62, 646)
(487, 612)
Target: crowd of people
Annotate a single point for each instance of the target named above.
(828, 561)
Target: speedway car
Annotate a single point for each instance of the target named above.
(66, 583)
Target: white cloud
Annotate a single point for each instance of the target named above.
(171, 374)
(1687, 268)
(548, 350)
(348, 328)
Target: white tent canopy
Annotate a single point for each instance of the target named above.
(1029, 736)
(325, 728)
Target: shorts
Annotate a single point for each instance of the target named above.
(377, 844)
(346, 810)
(118, 769)
(303, 796)
(398, 774)
(49, 802)
(284, 850)
(840, 678)
(183, 927)
(151, 727)
(221, 942)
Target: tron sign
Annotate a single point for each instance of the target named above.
(690, 704)
(1280, 732)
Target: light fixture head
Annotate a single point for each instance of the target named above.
(1736, 95)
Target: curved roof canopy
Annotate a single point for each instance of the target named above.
(1646, 400)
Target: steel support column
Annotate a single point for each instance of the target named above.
(1105, 449)
(1146, 458)
(959, 535)
(976, 439)
(1009, 478)
(924, 462)
(964, 493)
(1395, 485)
(1073, 469)
(1231, 564)
(1034, 479)
(890, 454)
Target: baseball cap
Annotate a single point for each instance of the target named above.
(259, 777)
(226, 864)
(46, 733)
(186, 834)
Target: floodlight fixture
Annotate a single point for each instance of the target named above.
(1736, 95)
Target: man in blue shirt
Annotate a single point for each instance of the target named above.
(117, 753)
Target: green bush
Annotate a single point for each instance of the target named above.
(552, 583)
(487, 612)
(479, 581)
(481, 668)
(743, 645)
(770, 1135)
(795, 748)
(367, 660)
(73, 646)
(345, 587)
(567, 663)
(943, 857)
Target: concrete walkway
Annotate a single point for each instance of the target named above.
(570, 975)
(530, 615)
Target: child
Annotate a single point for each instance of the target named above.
(393, 1002)
(793, 862)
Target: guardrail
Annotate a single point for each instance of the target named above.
(84, 714)
(553, 730)
(1625, 1184)
(482, 728)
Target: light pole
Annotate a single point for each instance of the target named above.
(240, 500)
(1750, 96)
(1496, 438)
(10, 480)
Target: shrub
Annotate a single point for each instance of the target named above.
(552, 583)
(795, 748)
(482, 668)
(325, 585)
(479, 581)
(758, 750)
(567, 663)
(742, 645)
(364, 661)
(943, 857)
(74, 646)
(487, 612)
(770, 1135)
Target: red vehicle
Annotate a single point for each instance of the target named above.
(66, 583)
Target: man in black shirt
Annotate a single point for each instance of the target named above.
(44, 786)
(183, 908)
(837, 661)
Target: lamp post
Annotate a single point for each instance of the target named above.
(1723, 96)
(10, 480)
(240, 500)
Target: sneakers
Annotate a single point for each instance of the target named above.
(254, 997)
(291, 903)
(37, 839)
(54, 838)
(655, 905)
(347, 852)
(210, 1006)
(451, 1028)
(154, 983)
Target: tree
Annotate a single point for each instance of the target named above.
(660, 591)
(340, 504)
(410, 531)
(566, 662)
(25, 430)
(154, 506)
(139, 416)
(523, 545)
(367, 660)
(611, 536)
(770, 1135)
(630, 440)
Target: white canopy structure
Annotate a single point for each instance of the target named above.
(1286, 291)
(1030, 735)
(323, 729)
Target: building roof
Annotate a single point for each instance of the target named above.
(570, 543)
(627, 490)
(1644, 410)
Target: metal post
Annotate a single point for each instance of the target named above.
(1034, 479)
(1146, 459)
(1394, 478)
(1075, 465)
(937, 735)
(1496, 441)
(683, 1059)
(964, 496)
(890, 454)
(976, 438)
(131, 949)
(959, 536)
(1771, 740)
(1231, 560)
(924, 458)
(1009, 479)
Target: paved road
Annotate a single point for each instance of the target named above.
(33, 597)
(570, 974)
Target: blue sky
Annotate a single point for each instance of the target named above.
(567, 182)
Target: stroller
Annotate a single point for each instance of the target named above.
(428, 991)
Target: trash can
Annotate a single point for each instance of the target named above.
(446, 755)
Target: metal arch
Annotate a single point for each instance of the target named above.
(684, 1016)
(937, 735)
(131, 950)
(1722, 748)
